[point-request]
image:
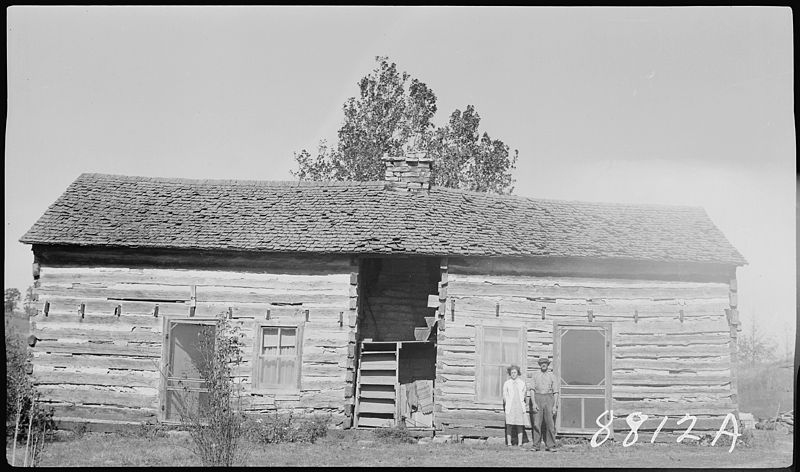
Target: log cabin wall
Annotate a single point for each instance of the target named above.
(100, 338)
(395, 296)
(661, 364)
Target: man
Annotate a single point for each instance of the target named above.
(544, 389)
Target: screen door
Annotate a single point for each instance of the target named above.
(582, 365)
(185, 391)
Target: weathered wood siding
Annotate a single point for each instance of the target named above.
(97, 365)
(661, 365)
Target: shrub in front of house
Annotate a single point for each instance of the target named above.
(27, 420)
(395, 434)
(275, 428)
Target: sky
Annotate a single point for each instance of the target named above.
(676, 105)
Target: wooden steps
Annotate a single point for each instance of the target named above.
(376, 394)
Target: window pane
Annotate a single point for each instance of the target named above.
(287, 350)
(270, 351)
(511, 336)
(491, 334)
(500, 379)
(511, 352)
(492, 382)
(493, 352)
(270, 337)
(288, 337)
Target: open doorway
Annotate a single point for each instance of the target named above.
(397, 342)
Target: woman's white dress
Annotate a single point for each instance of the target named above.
(514, 398)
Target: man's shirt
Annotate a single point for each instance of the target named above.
(544, 382)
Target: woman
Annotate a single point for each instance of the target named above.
(514, 404)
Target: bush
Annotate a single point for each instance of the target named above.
(282, 428)
(146, 430)
(19, 390)
(395, 434)
(23, 408)
(216, 426)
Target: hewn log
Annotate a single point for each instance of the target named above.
(99, 349)
(56, 377)
(583, 267)
(460, 288)
(112, 396)
(655, 352)
(672, 379)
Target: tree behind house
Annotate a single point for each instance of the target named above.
(392, 115)
(754, 348)
(11, 297)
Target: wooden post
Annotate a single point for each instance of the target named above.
(30, 427)
(497, 310)
(82, 309)
(155, 311)
(35, 269)
(544, 311)
(452, 309)
(118, 310)
(192, 311)
(230, 313)
(268, 313)
(341, 319)
(46, 307)
(306, 315)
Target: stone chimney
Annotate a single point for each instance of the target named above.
(409, 173)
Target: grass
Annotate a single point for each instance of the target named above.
(358, 448)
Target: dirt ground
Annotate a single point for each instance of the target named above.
(342, 448)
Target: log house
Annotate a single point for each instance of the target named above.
(381, 302)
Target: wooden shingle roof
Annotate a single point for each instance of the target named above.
(367, 218)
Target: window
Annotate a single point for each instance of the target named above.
(498, 347)
(278, 357)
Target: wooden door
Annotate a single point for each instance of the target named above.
(183, 389)
(583, 368)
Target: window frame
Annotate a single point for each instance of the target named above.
(480, 364)
(257, 357)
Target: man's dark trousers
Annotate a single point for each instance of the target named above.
(543, 419)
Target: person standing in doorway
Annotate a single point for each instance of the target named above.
(544, 387)
(514, 390)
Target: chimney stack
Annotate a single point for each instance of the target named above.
(409, 173)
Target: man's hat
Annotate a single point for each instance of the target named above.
(543, 360)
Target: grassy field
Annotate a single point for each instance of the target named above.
(348, 448)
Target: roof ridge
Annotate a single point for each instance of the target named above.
(565, 201)
(251, 182)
